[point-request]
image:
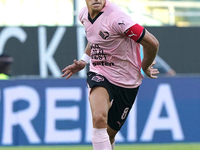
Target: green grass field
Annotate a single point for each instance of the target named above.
(118, 147)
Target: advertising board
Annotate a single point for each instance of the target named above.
(57, 112)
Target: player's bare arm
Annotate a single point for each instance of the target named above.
(150, 48)
(88, 49)
(76, 66)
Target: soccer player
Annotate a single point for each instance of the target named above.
(113, 50)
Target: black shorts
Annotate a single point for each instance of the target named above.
(122, 99)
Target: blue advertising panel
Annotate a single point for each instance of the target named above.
(57, 112)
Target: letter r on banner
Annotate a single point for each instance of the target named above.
(23, 117)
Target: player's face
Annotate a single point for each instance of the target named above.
(95, 5)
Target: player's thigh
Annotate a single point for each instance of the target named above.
(99, 100)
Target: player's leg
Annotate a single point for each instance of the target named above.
(112, 133)
(100, 104)
(121, 105)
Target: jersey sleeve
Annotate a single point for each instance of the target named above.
(122, 23)
(81, 14)
(126, 26)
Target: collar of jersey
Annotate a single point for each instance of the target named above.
(93, 20)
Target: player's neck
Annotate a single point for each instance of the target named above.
(93, 14)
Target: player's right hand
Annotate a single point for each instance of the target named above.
(73, 68)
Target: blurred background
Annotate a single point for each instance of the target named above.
(181, 13)
(38, 38)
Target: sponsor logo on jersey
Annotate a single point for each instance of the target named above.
(97, 52)
(121, 23)
(120, 123)
(103, 63)
(132, 34)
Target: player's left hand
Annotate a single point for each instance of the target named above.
(152, 72)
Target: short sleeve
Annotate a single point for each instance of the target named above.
(122, 23)
(81, 14)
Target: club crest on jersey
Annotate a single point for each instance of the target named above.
(104, 35)
(97, 78)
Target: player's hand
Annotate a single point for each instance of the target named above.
(152, 72)
(73, 68)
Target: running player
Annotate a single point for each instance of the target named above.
(113, 50)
